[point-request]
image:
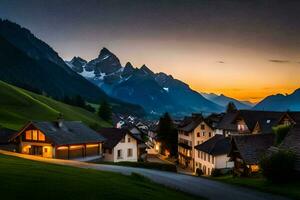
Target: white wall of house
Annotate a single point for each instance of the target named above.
(208, 162)
(222, 161)
(123, 146)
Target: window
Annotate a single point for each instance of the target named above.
(129, 152)
(202, 127)
(204, 156)
(34, 135)
(198, 134)
(41, 136)
(128, 139)
(213, 160)
(119, 153)
(208, 157)
(203, 133)
(209, 134)
(201, 155)
(28, 135)
(45, 150)
(198, 154)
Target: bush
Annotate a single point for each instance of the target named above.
(216, 173)
(279, 166)
(199, 172)
(280, 132)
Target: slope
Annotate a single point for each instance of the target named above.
(17, 106)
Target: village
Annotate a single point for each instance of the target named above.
(232, 142)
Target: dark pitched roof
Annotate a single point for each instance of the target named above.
(70, 132)
(114, 136)
(251, 147)
(190, 123)
(217, 145)
(295, 116)
(266, 119)
(6, 134)
(183, 145)
(292, 141)
(226, 122)
(214, 119)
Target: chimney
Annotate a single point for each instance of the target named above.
(60, 120)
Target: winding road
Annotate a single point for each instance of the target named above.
(194, 185)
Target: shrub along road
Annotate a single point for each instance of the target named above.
(194, 185)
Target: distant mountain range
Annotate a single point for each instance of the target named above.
(156, 92)
(280, 102)
(223, 100)
(30, 63)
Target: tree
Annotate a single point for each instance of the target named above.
(167, 135)
(105, 111)
(79, 101)
(279, 166)
(280, 132)
(231, 107)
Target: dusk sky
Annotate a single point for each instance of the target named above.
(243, 49)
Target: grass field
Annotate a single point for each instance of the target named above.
(17, 106)
(291, 190)
(24, 179)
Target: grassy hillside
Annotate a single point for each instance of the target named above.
(17, 106)
(24, 179)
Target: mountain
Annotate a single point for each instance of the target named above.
(223, 100)
(30, 63)
(156, 92)
(18, 106)
(280, 102)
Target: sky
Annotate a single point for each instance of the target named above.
(243, 49)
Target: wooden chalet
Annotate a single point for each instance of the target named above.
(59, 139)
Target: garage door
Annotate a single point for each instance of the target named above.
(62, 153)
(92, 151)
(76, 153)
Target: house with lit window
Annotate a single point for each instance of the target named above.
(121, 145)
(59, 139)
(192, 131)
(246, 151)
(213, 154)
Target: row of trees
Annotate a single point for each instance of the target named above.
(104, 111)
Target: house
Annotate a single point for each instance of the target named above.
(121, 145)
(192, 131)
(59, 139)
(246, 151)
(213, 154)
(226, 126)
(252, 121)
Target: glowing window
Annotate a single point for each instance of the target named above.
(34, 135)
(41, 136)
(28, 135)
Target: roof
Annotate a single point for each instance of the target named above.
(251, 147)
(266, 119)
(190, 123)
(5, 135)
(114, 136)
(292, 141)
(226, 122)
(295, 116)
(183, 145)
(214, 119)
(70, 132)
(217, 145)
